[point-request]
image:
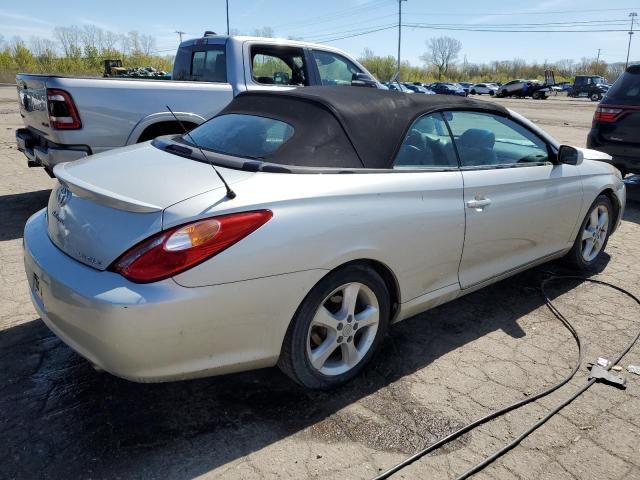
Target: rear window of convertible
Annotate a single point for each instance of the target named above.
(242, 135)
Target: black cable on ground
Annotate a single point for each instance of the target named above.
(452, 436)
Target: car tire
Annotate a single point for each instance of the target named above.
(491, 93)
(472, 92)
(326, 344)
(536, 95)
(592, 233)
(595, 97)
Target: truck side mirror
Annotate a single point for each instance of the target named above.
(570, 155)
(363, 80)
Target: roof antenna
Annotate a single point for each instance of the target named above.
(230, 193)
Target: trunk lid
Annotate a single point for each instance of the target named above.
(32, 96)
(107, 203)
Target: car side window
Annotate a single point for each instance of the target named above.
(334, 69)
(484, 139)
(427, 145)
(278, 66)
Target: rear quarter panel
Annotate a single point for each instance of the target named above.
(411, 222)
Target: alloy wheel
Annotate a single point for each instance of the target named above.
(595, 232)
(343, 329)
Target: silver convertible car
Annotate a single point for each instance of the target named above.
(295, 226)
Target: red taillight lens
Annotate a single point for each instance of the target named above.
(607, 115)
(180, 248)
(62, 111)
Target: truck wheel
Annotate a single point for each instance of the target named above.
(595, 97)
(536, 95)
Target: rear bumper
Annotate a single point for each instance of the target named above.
(43, 153)
(623, 154)
(159, 331)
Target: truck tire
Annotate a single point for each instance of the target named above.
(595, 97)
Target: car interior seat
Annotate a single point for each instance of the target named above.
(476, 147)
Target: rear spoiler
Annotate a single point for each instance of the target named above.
(86, 190)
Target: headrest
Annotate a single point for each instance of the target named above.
(477, 138)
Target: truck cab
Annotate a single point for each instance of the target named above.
(592, 86)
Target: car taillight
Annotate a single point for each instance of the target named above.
(62, 111)
(180, 248)
(607, 115)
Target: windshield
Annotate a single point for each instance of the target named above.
(241, 135)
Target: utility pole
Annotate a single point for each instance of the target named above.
(633, 16)
(598, 62)
(399, 35)
(227, 17)
(180, 34)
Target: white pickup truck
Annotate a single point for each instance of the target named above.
(67, 118)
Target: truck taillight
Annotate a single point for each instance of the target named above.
(62, 111)
(607, 115)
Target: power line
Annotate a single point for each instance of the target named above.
(550, 12)
(367, 32)
(504, 30)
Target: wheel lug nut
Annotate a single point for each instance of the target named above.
(349, 339)
(340, 338)
(339, 326)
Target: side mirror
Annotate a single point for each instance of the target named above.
(362, 80)
(570, 155)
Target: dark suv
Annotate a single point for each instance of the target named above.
(616, 122)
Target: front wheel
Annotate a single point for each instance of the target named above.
(593, 234)
(491, 93)
(595, 97)
(337, 328)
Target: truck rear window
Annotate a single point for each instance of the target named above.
(201, 63)
(242, 135)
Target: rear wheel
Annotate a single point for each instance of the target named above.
(593, 234)
(336, 329)
(491, 93)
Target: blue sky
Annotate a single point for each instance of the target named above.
(322, 20)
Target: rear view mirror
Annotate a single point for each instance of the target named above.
(362, 80)
(570, 155)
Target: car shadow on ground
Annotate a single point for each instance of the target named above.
(60, 418)
(17, 208)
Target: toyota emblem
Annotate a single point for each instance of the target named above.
(63, 196)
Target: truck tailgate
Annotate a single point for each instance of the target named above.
(32, 93)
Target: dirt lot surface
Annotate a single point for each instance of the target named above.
(437, 371)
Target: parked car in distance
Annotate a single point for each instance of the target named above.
(466, 86)
(257, 264)
(616, 122)
(592, 86)
(484, 89)
(419, 89)
(67, 118)
(448, 89)
(565, 86)
(398, 87)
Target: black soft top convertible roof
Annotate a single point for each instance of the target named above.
(346, 127)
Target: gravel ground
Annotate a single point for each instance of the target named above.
(437, 371)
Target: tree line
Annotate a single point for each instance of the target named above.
(440, 63)
(76, 50)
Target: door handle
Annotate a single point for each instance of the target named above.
(479, 203)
